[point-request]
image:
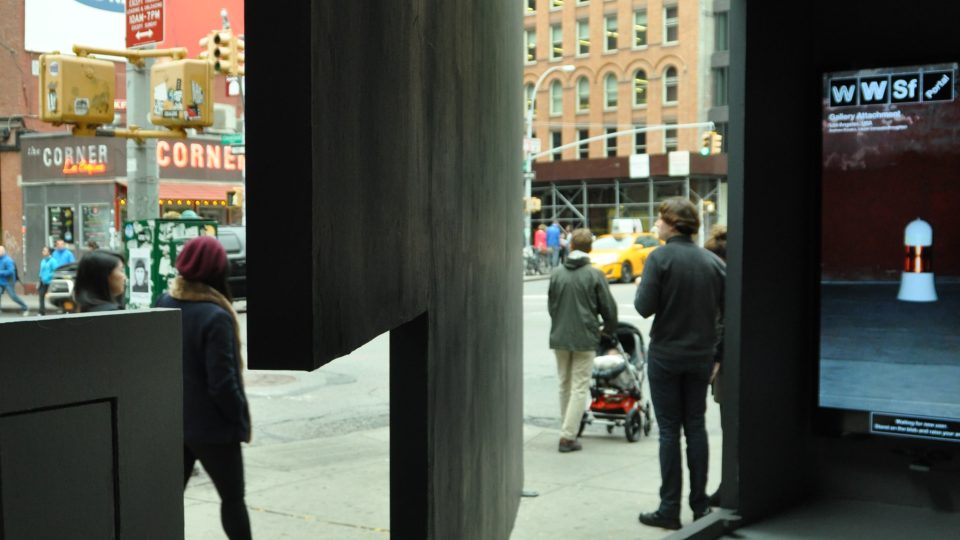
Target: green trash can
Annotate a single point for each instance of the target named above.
(151, 247)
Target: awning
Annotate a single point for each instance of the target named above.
(203, 192)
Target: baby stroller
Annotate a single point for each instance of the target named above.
(616, 389)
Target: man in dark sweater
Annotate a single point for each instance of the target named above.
(682, 284)
(578, 294)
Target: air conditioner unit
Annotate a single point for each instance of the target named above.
(224, 118)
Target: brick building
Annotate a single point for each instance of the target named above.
(654, 64)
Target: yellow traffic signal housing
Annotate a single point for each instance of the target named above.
(716, 143)
(224, 51)
(182, 94)
(76, 90)
(706, 142)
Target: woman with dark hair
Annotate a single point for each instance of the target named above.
(216, 418)
(100, 282)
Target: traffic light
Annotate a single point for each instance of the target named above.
(706, 142)
(711, 143)
(76, 90)
(716, 143)
(224, 51)
(182, 94)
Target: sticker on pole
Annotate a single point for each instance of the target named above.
(144, 22)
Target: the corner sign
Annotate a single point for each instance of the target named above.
(895, 88)
(144, 22)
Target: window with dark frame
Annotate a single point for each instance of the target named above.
(556, 141)
(670, 143)
(583, 94)
(611, 143)
(639, 88)
(611, 33)
(583, 151)
(670, 86)
(639, 141)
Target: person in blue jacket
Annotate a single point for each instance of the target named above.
(47, 266)
(553, 243)
(8, 280)
(216, 416)
(61, 254)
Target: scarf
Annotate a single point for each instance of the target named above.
(194, 291)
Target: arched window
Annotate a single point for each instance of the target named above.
(610, 92)
(583, 94)
(528, 92)
(670, 87)
(639, 88)
(556, 98)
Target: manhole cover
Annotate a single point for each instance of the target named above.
(268, 380)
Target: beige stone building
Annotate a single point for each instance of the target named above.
(656, 64)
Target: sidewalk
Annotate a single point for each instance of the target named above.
(338, 487)
(10, 309)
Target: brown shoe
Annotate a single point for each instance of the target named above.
(566, 445)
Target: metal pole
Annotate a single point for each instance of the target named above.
(528, 161)
(143, 187)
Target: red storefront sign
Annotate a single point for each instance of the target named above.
(144, 22)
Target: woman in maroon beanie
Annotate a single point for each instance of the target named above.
(216, 418)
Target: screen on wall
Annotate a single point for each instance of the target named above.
(890, 250)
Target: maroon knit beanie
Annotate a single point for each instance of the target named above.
(202, 258)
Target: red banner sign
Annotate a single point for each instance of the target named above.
(144, 22)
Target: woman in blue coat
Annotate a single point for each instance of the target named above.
(216, 418)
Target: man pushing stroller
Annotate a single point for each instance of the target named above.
(578, 294)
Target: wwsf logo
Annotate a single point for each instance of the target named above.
(896, 88)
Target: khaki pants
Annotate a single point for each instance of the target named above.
(574, 369)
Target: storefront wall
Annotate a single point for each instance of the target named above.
(75, 213)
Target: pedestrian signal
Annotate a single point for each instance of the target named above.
(181, 94)
(76, 90)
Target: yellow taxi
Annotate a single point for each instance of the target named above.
(620, 256)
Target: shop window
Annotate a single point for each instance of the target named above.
(671, 24)
(61, 224)
(556, 98)
(639, 28)
(610, 92)
(639, 88)
(670, 89)
(583, 94)
(96, 223)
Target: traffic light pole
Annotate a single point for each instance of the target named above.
(143, 173)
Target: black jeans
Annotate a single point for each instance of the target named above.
(224, 464)
(678, 389)
(42, 290)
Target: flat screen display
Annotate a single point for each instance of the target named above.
(890, 250)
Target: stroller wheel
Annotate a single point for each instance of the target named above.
(632, 425)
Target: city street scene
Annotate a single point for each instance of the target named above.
(123, 179)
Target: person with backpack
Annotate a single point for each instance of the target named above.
(8, 280)
(47, 267)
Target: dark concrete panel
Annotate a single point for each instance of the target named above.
(398, 194)
(774, 454)
(92, 406)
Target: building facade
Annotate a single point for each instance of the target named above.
(640, 66)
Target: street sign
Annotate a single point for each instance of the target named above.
(640, 166)
(238, 149)
(144, 22)
(678, 163)
(232, 138)
(531, 145)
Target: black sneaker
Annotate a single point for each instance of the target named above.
(656, 519)
(566, 445)
(714, 499)
(698, 515)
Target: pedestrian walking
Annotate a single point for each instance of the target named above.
(577, 295)
(47, 267)
(62, 254)
(540, 245)
(553, 243)
(216, 417)
(8, 280)
(100, 282)
(682, 285)
(717, 244)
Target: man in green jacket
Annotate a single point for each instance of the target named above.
(578, 294)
